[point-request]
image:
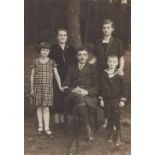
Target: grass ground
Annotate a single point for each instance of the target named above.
(63, 142)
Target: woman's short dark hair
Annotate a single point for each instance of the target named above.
(61, 29)
(108, 21)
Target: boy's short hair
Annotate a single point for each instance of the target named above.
(45, 44)
(108, 21)
(112, 56)
(61, 29)
(82, 49)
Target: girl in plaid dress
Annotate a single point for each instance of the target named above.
(43, 71)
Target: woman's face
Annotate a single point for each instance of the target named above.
(44, 52)
(107, 29)
(62, 36)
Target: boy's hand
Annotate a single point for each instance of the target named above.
(121, 104)
(120, 72)
(101, 103)
(32, 93)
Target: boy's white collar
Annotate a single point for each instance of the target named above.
(110, 74)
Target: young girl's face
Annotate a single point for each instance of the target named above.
(44, 52)
(112, 62)
(62, 37)
(107, 29)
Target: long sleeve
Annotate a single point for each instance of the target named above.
(94, 89)
(104, 90)
(121, 50)
(73, 59)
(67, 81)
(124, 89)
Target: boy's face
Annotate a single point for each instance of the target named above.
(45, 52)
(62, 36)
(82, 56)
(112, 62)
(107, 29)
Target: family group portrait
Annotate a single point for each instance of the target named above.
(77, 77)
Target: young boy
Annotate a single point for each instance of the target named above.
(65, 56)
(113, 95)
(108, 45)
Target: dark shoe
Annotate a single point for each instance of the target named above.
(110, 136)
(118, 140)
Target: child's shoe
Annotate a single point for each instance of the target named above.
(118, 140)
(40, 130)
(49, 133)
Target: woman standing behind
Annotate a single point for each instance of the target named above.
(64, 56)
(108, 45)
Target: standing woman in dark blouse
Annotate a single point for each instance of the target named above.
(64, 56)
(108, 45)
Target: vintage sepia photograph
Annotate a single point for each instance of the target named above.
(77, 77)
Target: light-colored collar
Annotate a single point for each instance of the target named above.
(110, 74)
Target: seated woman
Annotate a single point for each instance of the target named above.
(82, 91)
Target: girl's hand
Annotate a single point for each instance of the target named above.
(101, 103)
(121, 104)
(65, 87)
(62, 88)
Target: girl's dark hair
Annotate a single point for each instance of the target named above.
(44, 44)
(108, 21)
(61, 29)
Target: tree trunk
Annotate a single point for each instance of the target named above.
(74, 22)
(87, 24)
(36, 21)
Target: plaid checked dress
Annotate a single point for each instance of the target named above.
(43, 82)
